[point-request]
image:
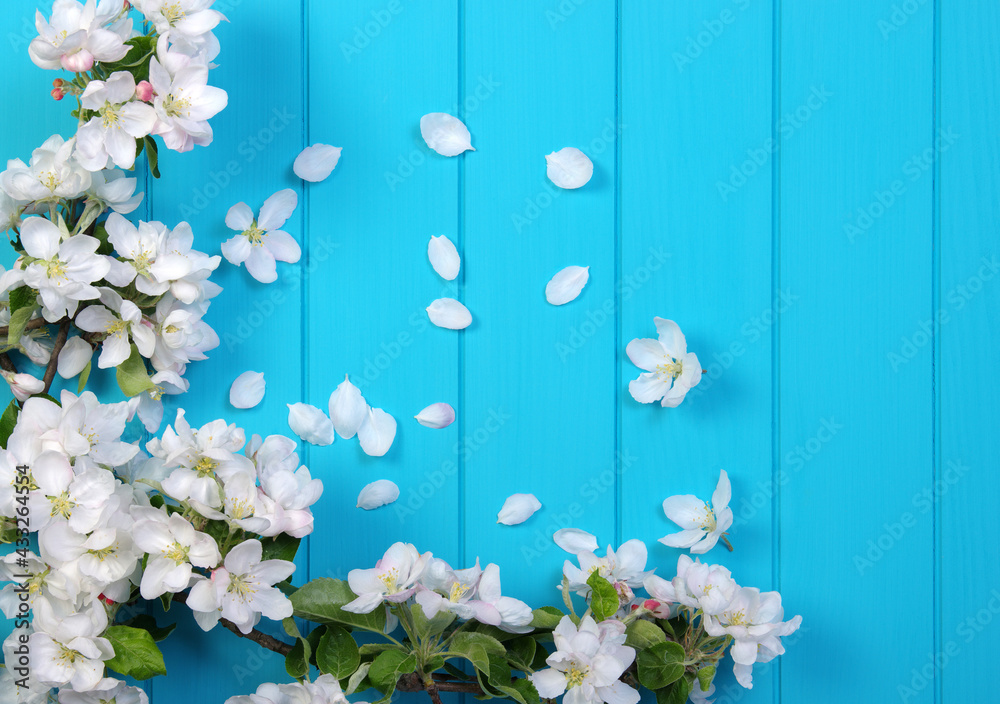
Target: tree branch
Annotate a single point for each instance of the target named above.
(261, 639)
(50, 371)
(6, 364)
(30, 325)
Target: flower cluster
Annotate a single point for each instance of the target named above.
(113, 524)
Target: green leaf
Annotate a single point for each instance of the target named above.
(168, 597)
(660, 665)
(678, 625)
(705, 677)
(23, 297)
(376, 648)
(434, 664)
(521, 691)
(148, 623)
(7, 422)
(15, 328)
(281, 547)
(494, 632)
(643, 634)
(84, 375)
(456, 673)
(603, 597)
(521, 652)
(152, 156)
(136, 654)
(356, 678)
(388, 667)
(132, 376)
(476, 648)
(321, 600)
(676, 693)
(337, 653)
(101, 235)
(426, 627)
(546, 618)
(297, 660)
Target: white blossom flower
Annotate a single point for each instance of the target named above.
(181, 19)
(324, 690)
(85, 426)
(151, 254)
(261, 241)
(10, 217)
(111, 134)
(182, 335)
(173, 546)
(41, 581)
(149, 404)
(702, 586)
(51, 174)
(623, 568)
(121, 322)
(394, 578)
(78, 498)
(753, 620)
(67, 648)
(121, 693)
(75, 36)
(504, 612)
(23, 385)
(183, 100)
(446, 589)
(105, 556)
(287, 496)
(587, 663)
(242, 590)
(63, 271)
(670, 370)
(702, 525)
(111, 188)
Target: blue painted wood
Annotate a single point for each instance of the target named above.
(830, 400)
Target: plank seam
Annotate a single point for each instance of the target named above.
(936, 349)
(776, 329)
(617, 278)
(304, 289)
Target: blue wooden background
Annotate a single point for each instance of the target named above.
(809, 189)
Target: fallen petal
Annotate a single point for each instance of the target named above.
(310, 424)
(347, 409)
(378, 493)
(317, 162)
(377, 432)
(444, 257)
(74, 357)
(248, 390)
(575, 541)
(445, 134)
(449, 313)
(437, 416)
(569, 168)
(517, 509)
(567, 285)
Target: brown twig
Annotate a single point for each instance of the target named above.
(30, 325)
(413, 683)
(50, 371)
(7, 364)
(261, 639)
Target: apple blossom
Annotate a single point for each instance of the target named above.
(622, 568)
(121, 322)
(120, 120)
(701, 586)
(23, 385)
(121, 693)
(67, 648)
(187, 19)
(174, 546)
(394, 578)
(702, 525)
(261, 241)
(324, 690)
(184, 102)
(52, 174)
(76, 35)
(504, 612)
(670, 371)
(445, 589)
(152, 255)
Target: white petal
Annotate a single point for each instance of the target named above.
(347, 409)
(74, 357)
(248, 390)
(567, 284)
(317, 162)
(437, 416)
(239, 218)
(575, 541)
(444, 257)
(310, 424)
(517, 509)
(569, 168)
(449, 313)
(277, 209)
(378, 493)
(723, 492)
(445, 134)
(377, 432)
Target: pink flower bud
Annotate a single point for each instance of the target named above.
(78, 62)
(144, 89)
(58, 94)
(625, 594)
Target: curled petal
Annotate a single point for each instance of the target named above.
(517, 509)
(377, 432)
(569, 168)
(248, 390)
(445, 134)
(347, 409)
(449, 313)
(575, 541)
(437, 416)
(567, 285)
(378, 493)
(317, 162)
(444, 257)
(310, 424)
(74, 357)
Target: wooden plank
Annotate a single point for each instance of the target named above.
(696, 186)
(539, 415)
(855, 438)
(966, 490)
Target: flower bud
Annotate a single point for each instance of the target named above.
(144, 91)
(58, 94)
(625, 593)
